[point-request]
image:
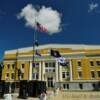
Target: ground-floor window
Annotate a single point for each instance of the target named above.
(93, 85)
(81, 86)
(35, 75)
(66, 86)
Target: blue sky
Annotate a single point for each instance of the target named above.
(83, 26)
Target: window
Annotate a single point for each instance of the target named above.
(64, 86)
(12, 75)
(23, 65)
(8, 66)
(81, 86)
(80, 75)
(65, 74)
(7, 75)
(22, 75)
(93, 85)
(67, 86)
(98, 72)
(35, 75)
(79, 63)
(50, 67)
(46, 64)
(53, 70)
(53, 64)
(36, 64)
(13, 66)
(98, 63)
(91, 63)
(92, 74)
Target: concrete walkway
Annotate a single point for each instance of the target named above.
(62, 95)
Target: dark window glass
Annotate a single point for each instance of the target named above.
(91, 63)
(37, 75)
(8, 66)
(53, 70)
(53, 64)
(79, 63)
(81, 86)
(50, 64)
(67, 86)
(12, 76)
(63, 75)
(92, 74)
(64, 86)
(67, 73)
(22, 75)
(98, 72)
(98, 63)
(23, 65)
(46, 64)
(80, 74)
(93, 85)
(7, 74)
(13, 66)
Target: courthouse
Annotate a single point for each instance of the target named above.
(82, 71)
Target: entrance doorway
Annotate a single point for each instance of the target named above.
(50, 82)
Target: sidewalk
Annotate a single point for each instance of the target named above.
(15, 97)
(65, 95)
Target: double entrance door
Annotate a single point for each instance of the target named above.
(50, 82)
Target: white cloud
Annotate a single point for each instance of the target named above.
(92, 7)
(46, 16)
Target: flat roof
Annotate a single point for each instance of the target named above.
(70, 46)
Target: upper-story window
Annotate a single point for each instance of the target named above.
(36, 64)
(50, 64)
(79, 75)
(7, 76)
(12, 75)
(50, 67)
(8, 66)
(23, 65)
(98, 72)
(98, 63)
(22, 75)
(13, 66)
(92, 74)
(65, 74)
(91, 63)
(79, 63)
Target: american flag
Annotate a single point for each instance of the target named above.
(40, 27)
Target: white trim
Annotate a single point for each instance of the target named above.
(50, 46)
(71, 74)
(30, 71)
(11, 51)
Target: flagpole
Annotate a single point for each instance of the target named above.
(34, 40)
(33, 59)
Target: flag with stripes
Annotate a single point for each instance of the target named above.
(40, 27)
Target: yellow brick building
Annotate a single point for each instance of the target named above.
(82, 72)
